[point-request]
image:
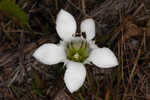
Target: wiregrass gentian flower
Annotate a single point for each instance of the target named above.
(75, 51)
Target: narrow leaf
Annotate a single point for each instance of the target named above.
(13, 11)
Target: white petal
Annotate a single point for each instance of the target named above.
(65, 25)
(88, 26)
(103, 58)
(74, 76)
(49, 54)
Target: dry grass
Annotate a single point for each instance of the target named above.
(122, 25)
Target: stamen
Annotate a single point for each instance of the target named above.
(77, 50)
(76, 56)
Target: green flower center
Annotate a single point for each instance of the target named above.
(77, 50)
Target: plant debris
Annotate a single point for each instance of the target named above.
(123, 25)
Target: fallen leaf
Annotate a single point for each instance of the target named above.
(130, 29)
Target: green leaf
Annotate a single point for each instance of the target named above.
(13, 11)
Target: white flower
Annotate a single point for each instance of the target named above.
(75, 51)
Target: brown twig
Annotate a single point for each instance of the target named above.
(83, 7)
(21, 49)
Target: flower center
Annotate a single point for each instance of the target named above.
(77, 50)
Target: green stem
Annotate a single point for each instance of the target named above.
(81, 97)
